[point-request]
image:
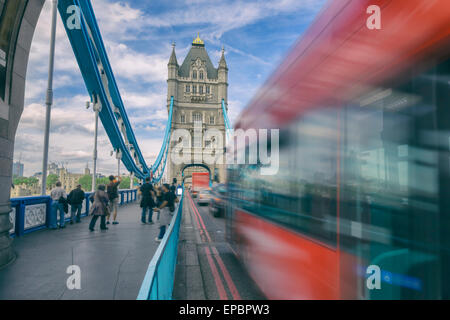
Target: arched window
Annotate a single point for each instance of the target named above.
(211, 120)
(188, 88)
(200, 89)
(183, 118)
(201, 75)
(197, 117)
(194, 74)
(208, 90)
(194, 89)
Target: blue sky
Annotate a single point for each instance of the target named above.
(138, 36)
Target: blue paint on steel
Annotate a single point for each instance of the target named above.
(158, 178)
(228, 125)
(166, 138)
(158, 281)
(92, 60)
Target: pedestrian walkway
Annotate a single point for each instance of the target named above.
(112, 263)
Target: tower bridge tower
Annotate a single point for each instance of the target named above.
(198, 89)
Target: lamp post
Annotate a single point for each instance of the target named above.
(49, 97)
(131, 180)
(97, 106)
(118, 157)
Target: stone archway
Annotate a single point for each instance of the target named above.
(18, 21)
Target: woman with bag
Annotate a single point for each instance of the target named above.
(167, 208)
(99, 208)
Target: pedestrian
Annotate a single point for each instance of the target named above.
(59, 196)
(113, 195)
(138, 198)
(173, 187)
(75, 199)
(159, 196)
(147, 203)
(166, 207)
(99, 208)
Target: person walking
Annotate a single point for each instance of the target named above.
(113, 195)
(99, 208)
(75, 199)
(173, 187)
(59, 196)
(166, 207)
(147, 203)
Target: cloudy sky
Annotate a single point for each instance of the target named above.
(138, 36)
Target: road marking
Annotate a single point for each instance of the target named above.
(219, 284)
(226, 275)
(216, 255)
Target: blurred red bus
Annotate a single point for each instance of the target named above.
(364, 173)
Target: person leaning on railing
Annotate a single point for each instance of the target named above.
(75, 199)
(167, 206)
(59, 196)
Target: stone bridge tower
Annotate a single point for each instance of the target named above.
(198, 89)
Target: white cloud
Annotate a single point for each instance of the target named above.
(140, 66)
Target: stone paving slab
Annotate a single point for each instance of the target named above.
(113, 263)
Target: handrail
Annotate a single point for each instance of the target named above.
(40, 217)
(159, 279)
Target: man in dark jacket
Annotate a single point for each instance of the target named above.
(173, 187)
(113, 194)
(147, 193)
(75, 199)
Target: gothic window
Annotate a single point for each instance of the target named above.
(188, 88)
(194, 89)
(208, 89)
(200, 89)
(194, 74)
(183, 118)
(211, 120)
(197, 116)
(201, 75)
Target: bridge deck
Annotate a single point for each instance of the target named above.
(113, 263)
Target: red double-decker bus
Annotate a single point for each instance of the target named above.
(360, 205)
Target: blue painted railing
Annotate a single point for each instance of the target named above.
(159, 279)
(32, 213)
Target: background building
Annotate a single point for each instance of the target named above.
(18, 168)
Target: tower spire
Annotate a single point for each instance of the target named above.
(222, 62)
(173, 57)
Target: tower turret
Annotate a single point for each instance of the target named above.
(223, 77)
(172, 67)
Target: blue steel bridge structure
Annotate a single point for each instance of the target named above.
(89, 50)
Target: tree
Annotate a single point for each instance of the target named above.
(86, 182)
(125, 183)
(51, 180)
(24, 180)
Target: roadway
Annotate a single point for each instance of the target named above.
(207, 268)
(112, 263)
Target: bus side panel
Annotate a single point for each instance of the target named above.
(284, 264)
